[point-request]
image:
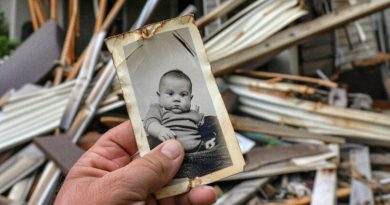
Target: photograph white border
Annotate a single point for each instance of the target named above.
(115, 45)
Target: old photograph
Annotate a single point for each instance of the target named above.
(170, 93)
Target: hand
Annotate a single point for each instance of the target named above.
(108, 174)
(166, 134)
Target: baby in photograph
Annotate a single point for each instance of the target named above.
(172, 117)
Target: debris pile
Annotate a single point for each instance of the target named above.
(319, 139)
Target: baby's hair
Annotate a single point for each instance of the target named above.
(176, 74)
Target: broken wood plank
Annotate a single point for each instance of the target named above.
(88, 67)
(315, 127)
(340, 193)
(336, 122)
(324, 191)
(67, 44)
(295, 35)
(40, 12)
(19, 166)
(288, 77)
(278, 169)
(259, 126)
(33, 15)
(333, 153)
(111, 121)
(242, 192)
(112, 14)
(380, 159)
(361, 192)
(53, 10)
(88, 140)
(375, 60)
(20, 190)
(312, 107)
(261, 156)
(100, 16)
(263, 84)
(60, 150)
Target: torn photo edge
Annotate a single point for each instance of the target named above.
(115, 45)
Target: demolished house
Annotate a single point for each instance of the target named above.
(306, 85)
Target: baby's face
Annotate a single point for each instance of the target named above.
(175, 95)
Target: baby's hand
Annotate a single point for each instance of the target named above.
(166, 134)
(210, 143)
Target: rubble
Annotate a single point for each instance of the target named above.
(299, 147)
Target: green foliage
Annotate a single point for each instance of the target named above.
(6, 45)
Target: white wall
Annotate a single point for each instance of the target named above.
(17, 13)
(5, 7)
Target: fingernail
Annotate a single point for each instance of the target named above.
(208, 187)
(214, 190)
(171, 150)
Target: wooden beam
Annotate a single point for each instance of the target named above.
(40, 11)
(279, 168)
(341, 193)
(88, 67)
(89, 139)
(221, 10)
(361, 176)
(21, 189)
(295, 35)
(67, 44)
(261, 156)
(338, 124)
(259, 126)
(333, 154)
(262, 74)
(111, 121)
(34, 19)
(19, 166)
(380, 159)
(324, 191)
(319, 108)
(76, 67)
(242, 192)
(53, 10)
(100, 16)
(103, 27)
(269, 85)
(375, 60)
(110, 17)
(314, 126)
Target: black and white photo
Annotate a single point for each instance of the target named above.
(170, 93)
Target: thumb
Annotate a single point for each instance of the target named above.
(149, 173)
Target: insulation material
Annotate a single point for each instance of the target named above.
(261, 20)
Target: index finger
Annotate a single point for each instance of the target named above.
(121, 136)
(113, 150)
